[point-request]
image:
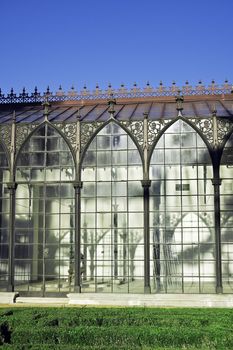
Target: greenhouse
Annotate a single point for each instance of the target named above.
(117, 191)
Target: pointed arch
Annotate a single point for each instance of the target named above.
(181, 173)
(45, 206)
(34, 131)
(98, 130)
(112, 211)
(226, 212)
(167, 126)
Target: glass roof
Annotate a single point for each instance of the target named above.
(124, 110)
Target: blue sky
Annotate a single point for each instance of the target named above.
(53, 42)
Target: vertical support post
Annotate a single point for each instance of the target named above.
(216, 181)
(77, 187)
(146, 198)
(146, 183)
(12, 188)
(77, 257)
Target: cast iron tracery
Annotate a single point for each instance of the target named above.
(146, 133)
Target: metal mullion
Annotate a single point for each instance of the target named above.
(99, 116)
(116, 113)
(149, 109)
(28, 116)
(96, 228)
(71, 115)
(132, 113)
(195, 110)
(44, 229)
(89, 112)
(52, 119)
(209, 108)
(59, 229)
(163, 110)
(165, 218)
(112, 229)
(198, 216)
(223, 105)
(127, 213)
(181, 211)
(10, 118)
(44, 211)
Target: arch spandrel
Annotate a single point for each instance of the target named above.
(22, 133)
(225, 131)
(69, 130)
(155, 128)
(135, 129)
(5, 132)
(169, 124)
(45, 148)
(89, 132)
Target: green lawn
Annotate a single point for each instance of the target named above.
(115, 328)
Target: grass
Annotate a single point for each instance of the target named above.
(115, 328)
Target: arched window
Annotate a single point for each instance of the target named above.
(182, 213)
(4, 219)
(112, 214)
(226, 200)
(44, 222)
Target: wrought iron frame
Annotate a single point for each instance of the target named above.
(214, 131)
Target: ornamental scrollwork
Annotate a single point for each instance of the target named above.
(5, 131)
(206, 128)
(154, 128)
(87, 131)
(135, 129)
(225, 127)
(70, 132)
(22, 132)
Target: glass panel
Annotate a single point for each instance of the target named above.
(44, 225)
(182, 212)
(4, 220)
(226, 191)
(113, 259)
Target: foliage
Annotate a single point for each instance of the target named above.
(115, 328)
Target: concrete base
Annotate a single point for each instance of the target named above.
(42, 301)
(156, 300)
(8, 297)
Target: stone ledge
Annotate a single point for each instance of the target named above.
(8, 297)
(159, 300)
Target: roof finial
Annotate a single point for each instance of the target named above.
(111, 103)
(179, 103)
(46, 106)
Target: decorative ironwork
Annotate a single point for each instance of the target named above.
(87, 131)
(122, 92)
(206, 128)
(69, 130)
(225, 127)
(136, 130)
(154, 128)
(22, 132)
(5, 132)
